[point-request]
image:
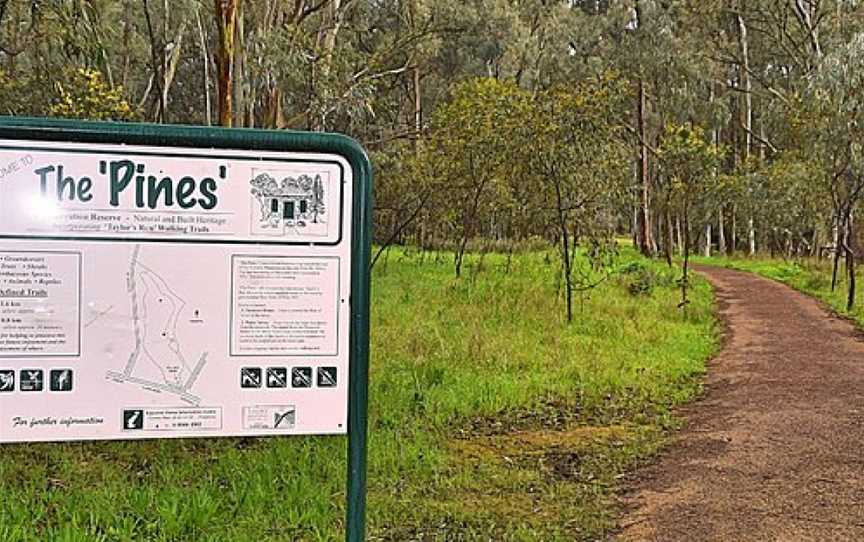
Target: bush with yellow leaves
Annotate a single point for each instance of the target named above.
(84, 94)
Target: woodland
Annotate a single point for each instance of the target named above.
(724, 126)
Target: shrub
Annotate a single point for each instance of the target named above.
(639, 278)
(84, 94)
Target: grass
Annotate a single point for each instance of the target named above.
(805, 275)
(491, 418)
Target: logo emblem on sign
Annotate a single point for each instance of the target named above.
(326, 377)
(277, 377)
(7, 380)
(250, 377)
(60, 380)
(301, 377)
(133, 419)
(32, 380)
(283, 419)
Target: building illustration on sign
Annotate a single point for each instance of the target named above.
(292, 207)
(157, 361)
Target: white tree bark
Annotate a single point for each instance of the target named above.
(807, 12)
(721, 235)
(751, 236)
(205, 62)
(744, 45)
(707, 251)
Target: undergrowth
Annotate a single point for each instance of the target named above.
(491, 418)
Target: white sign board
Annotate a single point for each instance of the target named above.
(172, 292)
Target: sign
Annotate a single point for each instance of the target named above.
(160, 282)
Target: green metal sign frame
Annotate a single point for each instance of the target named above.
(41, 129)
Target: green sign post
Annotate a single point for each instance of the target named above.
(101, 214)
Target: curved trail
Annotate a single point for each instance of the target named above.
(775, 449)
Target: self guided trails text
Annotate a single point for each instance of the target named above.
(127, 179)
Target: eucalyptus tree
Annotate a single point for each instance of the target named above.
(764, 50)
(836, 122)
(690, 159)
(577, 157)
(658, 47)
(794, 203)
(472, 139)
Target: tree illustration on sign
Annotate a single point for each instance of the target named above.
(317, 206)
(262, 185)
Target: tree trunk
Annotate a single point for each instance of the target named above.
(468, 225)
(733, 233)
(127, 39)
(678, 235)
(850, 265)
(686, 264)
(399, 228)
(418, 110)
(751, 236)
(715, 140)
(807, 13)
(238, 70)
(157, 56)
(814, 247)
(328, 45)
(772, 246)
(163, 102)
(565, 251)
(835, 268)
(669, 242)
(707, 252)
(460, 255)
(171, 70)
(205, 63)
(637, 235)
(839, 245)
(850, 246)
(568, 281)
(744, 46)
(226, 22)
(646, 240)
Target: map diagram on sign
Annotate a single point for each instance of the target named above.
(292, 207)
(157, 361)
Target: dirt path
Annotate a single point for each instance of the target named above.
(775, 450)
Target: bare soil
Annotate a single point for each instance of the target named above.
(775, 448)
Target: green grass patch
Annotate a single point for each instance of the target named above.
(491, 418)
